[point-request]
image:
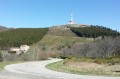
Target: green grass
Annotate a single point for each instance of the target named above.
(59, 66)
(52, 42)
(60, 37)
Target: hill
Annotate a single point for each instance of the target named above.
(61, 36)
(50, 40)
(3, 28)
(61, 31)
(57, 38)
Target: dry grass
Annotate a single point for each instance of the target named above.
(86, 68)
(94, 67)
(61, 31)
(81, 65)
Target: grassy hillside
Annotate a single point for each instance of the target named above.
(61, 31)
(59, 37)
(17, 37)
(58, 42)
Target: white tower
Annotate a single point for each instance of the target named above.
(71, 19)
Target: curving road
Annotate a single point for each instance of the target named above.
(37, 70)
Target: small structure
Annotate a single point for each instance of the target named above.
(17, 50)
(14, 50)
(24, 48)
(71, 20)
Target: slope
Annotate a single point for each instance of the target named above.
(3, 28)
(59, 37)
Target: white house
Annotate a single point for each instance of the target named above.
(24, 48)
(17, 50)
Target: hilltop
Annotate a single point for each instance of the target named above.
(61, 36)
(3, 28)
(64, 30)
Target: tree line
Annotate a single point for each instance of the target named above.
(94, 31)
(21, 36)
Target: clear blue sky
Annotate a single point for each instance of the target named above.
(45, 13)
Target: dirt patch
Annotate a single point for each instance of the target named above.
(83, 64)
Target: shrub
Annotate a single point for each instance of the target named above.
(1, 57)
(73, 58)
(42, 56)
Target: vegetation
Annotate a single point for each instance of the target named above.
(82, 55)
(3, 28)
(1, 57)
(34, 54)
(53, 42)
(17, 37)
(86, 67)
(94, 31)
(50, 48)
(106, 48)
(99, 57)
(59, 42)
(61, 31)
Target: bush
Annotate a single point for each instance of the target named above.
(43, 56)
(108, 47)
(110, 61)
(73, 58)
(1, 57)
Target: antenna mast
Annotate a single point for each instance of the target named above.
(71, 19)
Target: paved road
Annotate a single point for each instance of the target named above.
(11, 75)
(37, 70)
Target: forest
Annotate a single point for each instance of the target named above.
(21, 36)
(94, 31)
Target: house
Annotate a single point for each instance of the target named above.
(24, 48)
(17, 50)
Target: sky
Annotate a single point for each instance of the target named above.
(46, 13)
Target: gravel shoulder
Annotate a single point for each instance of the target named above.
(37, 70)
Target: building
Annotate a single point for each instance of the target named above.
(24, 48)
(17, 50)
